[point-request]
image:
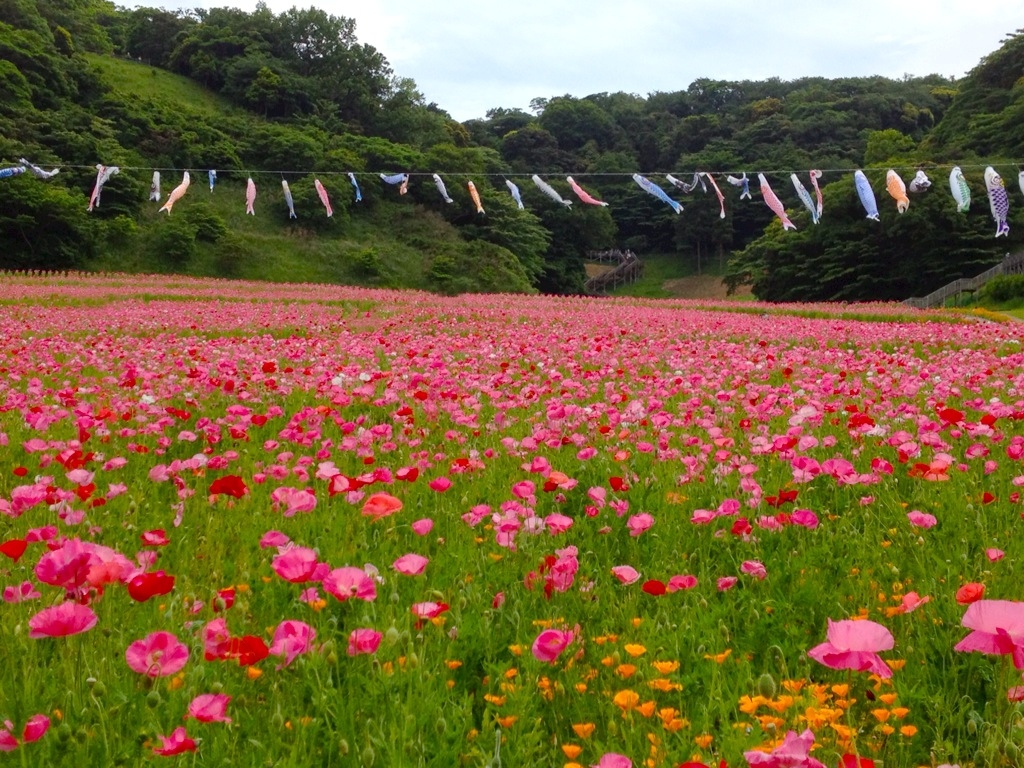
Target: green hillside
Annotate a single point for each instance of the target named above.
(295, 96)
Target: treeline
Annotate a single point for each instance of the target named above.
(299, 91)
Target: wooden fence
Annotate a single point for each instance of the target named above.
(627, 269)
(1010, 265)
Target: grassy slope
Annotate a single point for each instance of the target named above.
(269, 246)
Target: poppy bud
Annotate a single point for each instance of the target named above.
(392, 635)
(153, 699)
(368, 756)
(343, 747)
(766, 686)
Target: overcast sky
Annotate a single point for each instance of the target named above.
(471, 55)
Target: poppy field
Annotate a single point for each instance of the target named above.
(296, 525)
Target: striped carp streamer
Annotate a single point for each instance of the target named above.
(212, 178)
(651, 188)
(11, 171)
(103, 174)
(773, 202)
(866, 195)
(582, 194)
(550, 191)
(288, 199)
(177, 193)
(897, 190)
(805, 197)
(154, 187)
(322, 193)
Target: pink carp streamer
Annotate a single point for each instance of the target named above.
(815, 175)
(582, 194)
(177, 193)
(323, 197)
(718, 193)
(250, 197)
(103, 174)
(773, 202)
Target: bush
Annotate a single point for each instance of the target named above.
(1003, 288)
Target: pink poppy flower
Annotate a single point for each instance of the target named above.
(24, 591)
(637, 524)
(159, 654)
(411, 564)
(855, 645)
(921, 519)
(273, 539)
(62, 620)
(627, 574)
(805, 518)
(754, 568)
(362, 641)
(550, 643)
(726, 583)
(613, 760)
(381, 505)
(422, 527)
(35, 728)
(557, 523)
(209, 708)
(292, 638)
(8, 741)
(998, 627)
(155, 538)
(429, 610)
(216, 639)
(994, 554)
(176, 744)
(793, 752)
(440, 484)
(350, 582)
(295, 565)
(679, 582)
(912, 601)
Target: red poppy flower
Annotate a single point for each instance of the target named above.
(147, 585)
(13, 548)
(654, 587)
(229, 485)
(248, 649)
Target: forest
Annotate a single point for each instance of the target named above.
(296, 96)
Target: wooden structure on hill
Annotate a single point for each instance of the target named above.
(1010, 265)
(627, 268)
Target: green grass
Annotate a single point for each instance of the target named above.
(135, 79)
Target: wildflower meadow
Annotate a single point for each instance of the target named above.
(306, 525)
